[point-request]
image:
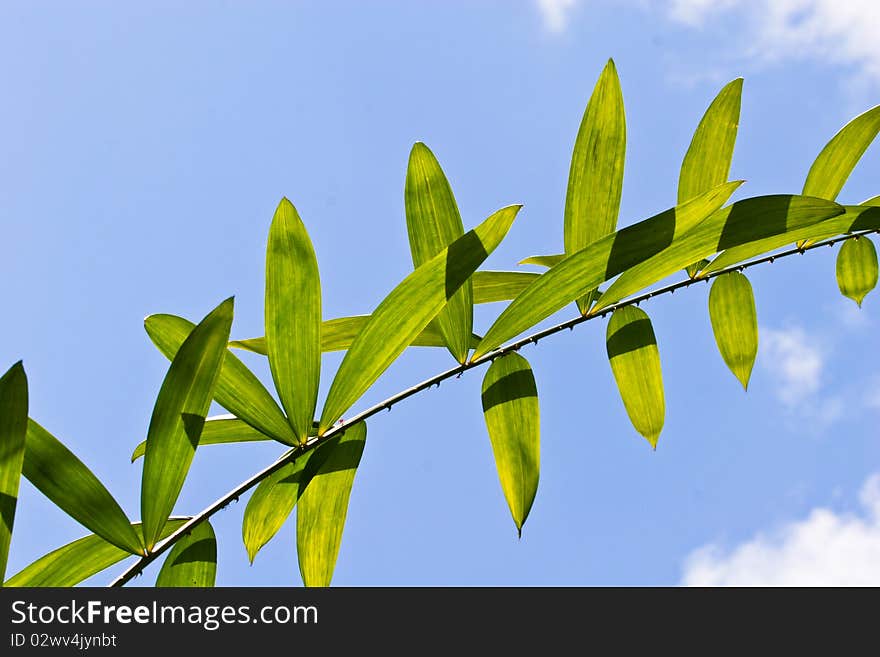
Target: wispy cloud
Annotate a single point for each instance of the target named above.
(830, 30)
(794, 360)
(555, 13)
(824, 549)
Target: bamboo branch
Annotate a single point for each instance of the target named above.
(291, 455)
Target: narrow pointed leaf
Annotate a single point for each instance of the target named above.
(838, 158)
(510, 408)
(323, 506)
(338, 334)
(587, 269)
(13, 432)
(293, 317)
(635, 362)
(408, 309)
(543, 260)
(237, 390)
(707, 161)
(433, 223)
(856, 218)
(192, 562)
(735, 323)
(178, 417)
(491, 286)
(873, 201)
(744, 221)
(857, 268)
(274, 498)
(77, 561)
(218, 430)
(595, 178)
(57, 473)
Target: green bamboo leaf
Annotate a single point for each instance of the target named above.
(77, 561)
(178, 417)
(543, 260)
(218, 430)
(857, 268)
(293, 317)
(192, 562)
(735, 323)
(587, 269)
(595, 179)
(744, 221)
(635, 362)
(338, 334)
(838, 158)
(873, 201)
(510, 407)
(13, 432)
(57, 473)
(237, 390)
(274, 498)
(323, 506)
(856, 218)
(491, 286)
(433, 223)
(707, 161)
(408, 309)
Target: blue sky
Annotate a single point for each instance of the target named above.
(146, 145)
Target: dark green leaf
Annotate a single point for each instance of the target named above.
(293, 317)
(635, 362)
(408, 309)
(510, 407)
(192, 562)
(13, 432)
(178, 417)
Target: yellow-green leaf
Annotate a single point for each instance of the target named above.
(274, 498)
(595, 178)
(856, 218)
(635, 362)
(218, 430)
(543, 260)
(178, 417)
(77, 561)
(57, 473)
(491, 286)
(323, 506)
(585, 270)
(192, 562)
(237, 390)
(510, 408)
(13, 432)
(433, 223)
(338, 334)
(857, 268)
(735, 323)
(707, 161)
(408, 309)
(293, 317)
(744, 221)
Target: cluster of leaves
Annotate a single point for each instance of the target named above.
(433, 306)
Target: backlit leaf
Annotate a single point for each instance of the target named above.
(491, 286)
(323, 506)
(13, 432)
(635, 362)
(857, 268)
(735, 323)
(293, 317)
(408, 309)
(178, 417)
(510, 408)
(192, 562)
(218, 430)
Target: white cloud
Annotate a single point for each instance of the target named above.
(844, 32)
(794, 360)
(555, 13)
(824, 549)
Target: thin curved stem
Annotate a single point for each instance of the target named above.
(291, 455)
